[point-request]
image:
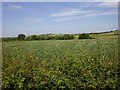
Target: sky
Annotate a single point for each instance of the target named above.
(58, 17)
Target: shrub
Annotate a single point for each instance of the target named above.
(9, 39)
(34, 37)
(21, 37)
(42, 37)
(49, 37)
(84, 36)
(68, 36)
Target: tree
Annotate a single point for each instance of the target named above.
(68, 36)
(84, 36)
(21, 37)
(34, 37)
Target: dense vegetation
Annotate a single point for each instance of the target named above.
(21, 37)
(58, 36)
(54, 64)
(85, 36)
(50, 37)
(40, 37)
(9, 39)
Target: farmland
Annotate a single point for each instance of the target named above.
(53, 64)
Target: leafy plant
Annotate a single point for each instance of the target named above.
(21, 37)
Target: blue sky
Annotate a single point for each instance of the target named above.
(58, 17)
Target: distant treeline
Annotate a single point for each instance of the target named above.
(51, 37)
(22, 37)
(9, 39)
(115, 32)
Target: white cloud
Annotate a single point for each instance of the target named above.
(66, 13)
(12, 6)
(70, 12)
(99, 13)
(84, 11)
(66, 19)
(33, 20)
(83, 14)
(108, 4)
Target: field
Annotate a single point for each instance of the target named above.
(53, 64)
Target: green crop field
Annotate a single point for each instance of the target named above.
(54, 64)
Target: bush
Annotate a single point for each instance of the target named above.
(84, 36)
(21, 37)
(68, 36)
(34, 37)
(42, 37)
(58, 37)
(49, 37)
(9, 39)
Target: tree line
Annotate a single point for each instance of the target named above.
(22, 37)
(50, 37)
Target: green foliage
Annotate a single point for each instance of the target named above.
(32, 37)
(75, 64)
(21, 37)
(50, 37)
(116, 32)
(7, 39)
(85, 36)
(68, 36)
